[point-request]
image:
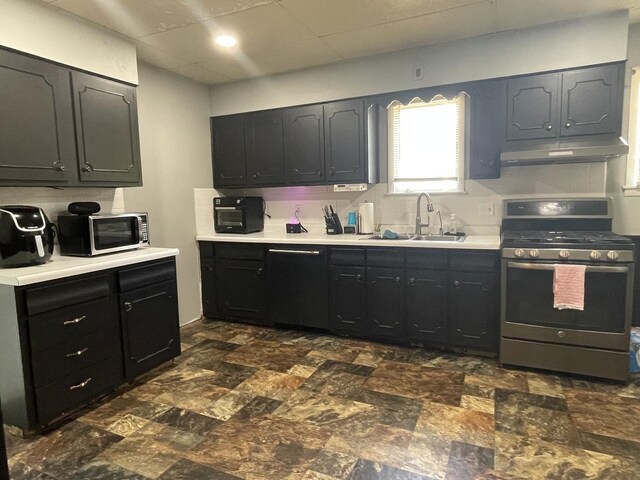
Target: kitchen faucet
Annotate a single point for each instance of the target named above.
(419, 224)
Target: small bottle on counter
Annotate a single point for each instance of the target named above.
(453, 224)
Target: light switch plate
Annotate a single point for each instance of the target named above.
(486, 209)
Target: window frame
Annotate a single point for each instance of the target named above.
(463, 136)
(632, 180)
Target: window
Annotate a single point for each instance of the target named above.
(633, 159)
(427, 146)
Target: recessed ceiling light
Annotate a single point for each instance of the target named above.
(227, 41)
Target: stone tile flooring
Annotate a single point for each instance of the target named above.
(258, 403)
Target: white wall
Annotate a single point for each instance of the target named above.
(584, 42)
(626, 207)
(33, 27)
(176, 158)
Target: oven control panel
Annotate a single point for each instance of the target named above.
(574, 254)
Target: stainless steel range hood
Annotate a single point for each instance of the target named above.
(564, 152)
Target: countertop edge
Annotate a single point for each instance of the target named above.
(78, 267)
(472, 242)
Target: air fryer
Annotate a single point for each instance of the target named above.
(26, 236)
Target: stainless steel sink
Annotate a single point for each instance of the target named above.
(401, 236)
(437, 238)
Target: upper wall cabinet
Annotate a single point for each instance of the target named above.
(58, 132)
(308, 145)
(37, 143)
(487, 128)
(567, 104)
(106, 114)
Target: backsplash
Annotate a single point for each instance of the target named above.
(398, 212)
(55, 201)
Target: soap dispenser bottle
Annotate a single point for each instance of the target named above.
(453, 225)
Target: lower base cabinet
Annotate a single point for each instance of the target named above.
(79, 338)
(417, 296)
(4, 467)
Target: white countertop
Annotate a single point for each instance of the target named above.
(471, 242)
(61, 267)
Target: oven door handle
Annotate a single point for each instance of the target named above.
(552, 266)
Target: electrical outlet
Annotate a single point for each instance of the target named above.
(418, 72)
(486, 209)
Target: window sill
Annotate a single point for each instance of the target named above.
(631, 191)
(431, 194)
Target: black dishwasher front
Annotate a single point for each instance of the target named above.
(298, 286)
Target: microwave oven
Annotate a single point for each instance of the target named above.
(91, 235)
(238, 214)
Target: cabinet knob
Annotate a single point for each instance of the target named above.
(318, 173)
(332, 171)
(87, 168)
(255, 175)
(456, 283)
(259, 271)
(549, 127)
(128, 306)
(359, 277)
(60, 168)
(211, 269)
(398, 279)
(241, 177)
(412, 281)
(568, 125)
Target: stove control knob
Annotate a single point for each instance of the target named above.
(519, 253)
(564, 254)
(535, 253)
(612, 255)
(595, 255)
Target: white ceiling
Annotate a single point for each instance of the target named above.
(282, 35)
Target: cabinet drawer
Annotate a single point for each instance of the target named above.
(348, 256)
(62, 294)
(474, 262)
(56, 362)
(146, 274)
(65, 324)
(238, 251)
(428, 259)
(77, 389)
(385, 257)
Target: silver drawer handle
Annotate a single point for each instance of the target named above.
(81, 385)
(78, 353)
(75, 320)
(295, 252)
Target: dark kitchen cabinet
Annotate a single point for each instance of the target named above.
(106, 119)
(70, 341)
(585, 101)
(592, 101)
(385, 303)
(487, 128)
(427, 306)
(298, 286)
(4, 467)
(37, 143)
(532, 107)
(242, 288)
(345, 141)
(208, 280)
(304, 145)
(228, 138)
(149, 316)
(347, 293)
(264, 147)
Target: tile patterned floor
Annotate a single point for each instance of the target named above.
(257, 403)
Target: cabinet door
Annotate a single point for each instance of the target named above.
(474, 310)
(227, 135)
(427, 312)
(487, 128)
(592, 101)
(298, 287)
(37, 143)
(4, 468)
(208, 279)
(150, 327)
(264, 143)
(532, 106)
(304, 145)
(242, 288)
(386, 303)
(344, 141)
(106, 115)
(347, 298)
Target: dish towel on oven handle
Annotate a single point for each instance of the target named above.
(568, 286)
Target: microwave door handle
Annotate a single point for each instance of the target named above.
(551, 267)
(139, 220)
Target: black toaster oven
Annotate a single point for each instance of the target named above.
(238, 214)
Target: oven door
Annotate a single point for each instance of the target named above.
(229, 219)
(114, 233)
(528, 312)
